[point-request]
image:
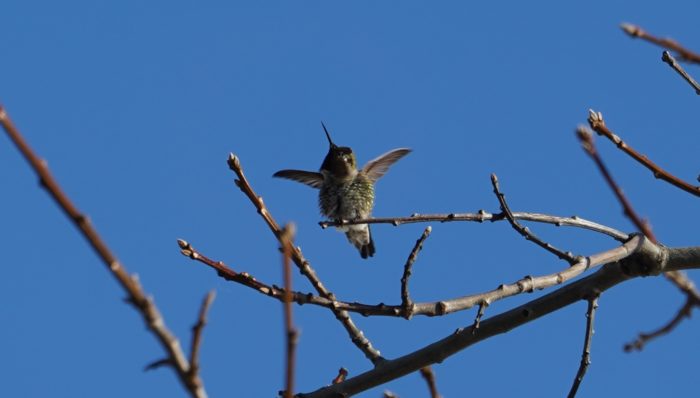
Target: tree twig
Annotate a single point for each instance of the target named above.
(356, 335)
(483, 216)
(683, 53)
(291, 332)
(678, 278)
(525, 232)
(668, 58)
(595, 120)
(644, 338)
(135, 293)
(647, 259)
(429, 376)
(527, 284)
(586, 355)
(479, 314)
(406, 302)
(197, 331)
(588, 145)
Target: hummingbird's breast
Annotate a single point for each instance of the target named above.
(348, 200)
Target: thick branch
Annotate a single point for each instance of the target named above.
(648, 259)
(136, 296)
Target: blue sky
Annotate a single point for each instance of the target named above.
(136, 106)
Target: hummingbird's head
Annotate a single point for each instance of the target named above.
(340, 160)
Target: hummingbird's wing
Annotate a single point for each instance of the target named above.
(375, 169)
(310, 178)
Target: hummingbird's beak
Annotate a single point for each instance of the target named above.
(328, 136)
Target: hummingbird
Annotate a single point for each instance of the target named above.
(346, 193)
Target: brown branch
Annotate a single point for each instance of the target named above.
(644, 338)
(354, 332)
(197, 332)
(668, 58)
(406, 302)
(586, 355)
(291, 332)
(595, 120)
(683, 53)
(429, 376)
(158, 364)
(135, 293)
(588, 144)
(679, 279)
(482, 216)
(648, 259)
(527, 284)
(525, 232)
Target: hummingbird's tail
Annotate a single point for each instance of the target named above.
(361, 237)
(368, 249)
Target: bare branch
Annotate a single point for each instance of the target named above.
(668, 58)
(588, 144)
(135, 293)
(291, 332)
(644, 338)
(429, 376)
(482, 216)
(197, 333)
(682, 282)
(158, 364)
(406, 302)
(595, 120)
(648, 259)
(354, 332)
(586, 355)
(683, 53)
(525, 232)
(479, 315)
(527, 284)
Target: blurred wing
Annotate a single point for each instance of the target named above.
(310, 178)
(375, 169)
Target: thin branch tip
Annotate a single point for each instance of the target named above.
(632, 30)
(233, 162)
(595, 117)
(586, 138)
